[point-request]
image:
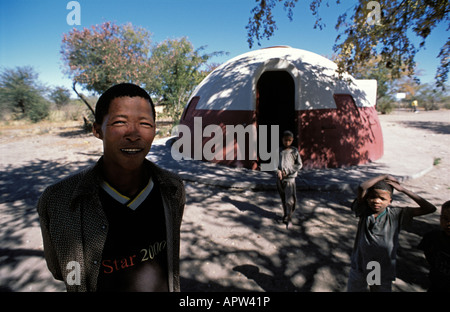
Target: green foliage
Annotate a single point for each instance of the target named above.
(22, 95)
(106, 54)
(175, 71)
(360, 40)
(261, 24)
(38, 110)
(431, 98)
(436, 161)
(60, 96)
(385, 104)
(389, 38)
(373, 70)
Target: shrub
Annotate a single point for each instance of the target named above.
(38, 110)
(385, 105)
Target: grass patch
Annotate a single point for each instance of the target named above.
(436, 161)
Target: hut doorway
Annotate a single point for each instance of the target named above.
(275, 104)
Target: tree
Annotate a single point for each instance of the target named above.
(175, 71)
(60, 96)
(407, 85)
(104, 55)
(22, 94)
(367, 34)
(430, 99)
(107, 54)
(373, 69)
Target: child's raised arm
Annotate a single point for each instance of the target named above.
(425, 207)
(363, 187)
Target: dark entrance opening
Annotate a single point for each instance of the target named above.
(275, 104)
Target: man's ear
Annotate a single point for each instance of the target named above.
(97, 131)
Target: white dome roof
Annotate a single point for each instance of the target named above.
(232, 86)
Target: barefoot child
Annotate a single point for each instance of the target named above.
(289, 164)
(378, 229)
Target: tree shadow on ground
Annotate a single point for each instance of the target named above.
(245, 243)
(435, 127)
(21, 257)
(265, 281)
(242, 245)
(231, 240)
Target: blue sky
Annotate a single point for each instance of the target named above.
(31, 31)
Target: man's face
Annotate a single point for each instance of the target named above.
(127, 132)
(378, 200)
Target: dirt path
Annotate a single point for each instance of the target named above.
(231, 240)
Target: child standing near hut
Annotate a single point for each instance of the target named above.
(289, 164)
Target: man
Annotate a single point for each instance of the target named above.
(116, 225)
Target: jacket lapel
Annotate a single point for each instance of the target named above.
(94, 224)
(167, 191)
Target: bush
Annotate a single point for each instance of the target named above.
(22, 94)
(38, 110)
(385, 105)
(430, 105)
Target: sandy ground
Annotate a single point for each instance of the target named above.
(232, 240)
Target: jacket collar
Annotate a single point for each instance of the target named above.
(89, 181)
(92, 178)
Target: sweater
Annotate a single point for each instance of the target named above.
(290, 163)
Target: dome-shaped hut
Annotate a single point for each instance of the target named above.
(333, 118)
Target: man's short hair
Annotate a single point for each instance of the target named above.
(383, 185)
(116, 91)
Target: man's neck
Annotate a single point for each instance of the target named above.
(127, 182)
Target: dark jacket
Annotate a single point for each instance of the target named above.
(74, 226)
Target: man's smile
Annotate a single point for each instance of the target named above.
(131, 151)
